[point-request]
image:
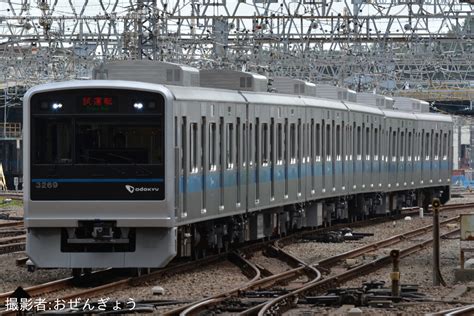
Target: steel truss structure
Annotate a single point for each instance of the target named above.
(383, 45)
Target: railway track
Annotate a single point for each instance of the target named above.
(299, 269)
(218, 302)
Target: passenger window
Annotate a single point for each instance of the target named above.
(193, 147)
(394, 146)
(318, 142)
(292, 143)
(427, 144)
(402, 146)
(328, 142)
(212, 147)
(279, 144)
(376, 143)
(359, 143)
(229, 146)
(367, 143)
(265, 144)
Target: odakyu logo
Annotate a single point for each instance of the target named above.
(133, 189)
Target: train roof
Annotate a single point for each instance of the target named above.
(323, 103)
(205, 94)
(355, 107)
(434, 117)
(272, 98)
(399, 114)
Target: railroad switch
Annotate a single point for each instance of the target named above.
(372, 294)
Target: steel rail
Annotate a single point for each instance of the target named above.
(293, 273)
(336, 280)
(8, 248)
(463, 310)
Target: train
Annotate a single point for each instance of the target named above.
(152, 160)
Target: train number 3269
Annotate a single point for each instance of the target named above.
(46, 185)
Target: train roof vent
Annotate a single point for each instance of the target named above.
(411, 105)
(148, 71)
(333, 92)
(377, 100)
(233, 80)
(293, 86)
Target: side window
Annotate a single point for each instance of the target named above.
(318, 142)
(359, 143)
(229, 146)
(292, 143)
(328, 142)
(193, 147)
(212, 146)
(338, 142)
(427, 146)
(279, 143)
(265, 155)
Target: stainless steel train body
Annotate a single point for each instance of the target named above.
(162, 169)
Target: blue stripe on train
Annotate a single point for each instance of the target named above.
(213, 179)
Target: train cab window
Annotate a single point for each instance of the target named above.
(265, 154)
(229, 146)
(292, 143)
(193, 147)
(55, 134)
(212, 146)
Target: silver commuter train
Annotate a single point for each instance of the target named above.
(130, 174)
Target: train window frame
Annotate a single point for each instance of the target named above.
(229, 146)
(359, 143)
(328, 143)
(264, 143)
(280, 156)
(427, 146)
(193, 147)
(212, 146)
(292, 143)
(317, 138)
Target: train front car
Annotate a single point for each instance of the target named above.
(96, 169)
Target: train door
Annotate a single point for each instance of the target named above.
(327, 138)
(318, 165)
(376, 154)
(227, 158)
(294, 124)
(435, 159)
(277, 142)
(263, 125)
(358, 164)
(337, 171)
(401, 154)
(417, 155)
(409, 171)
(251, 163)
(350, 152)
(213, 182)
